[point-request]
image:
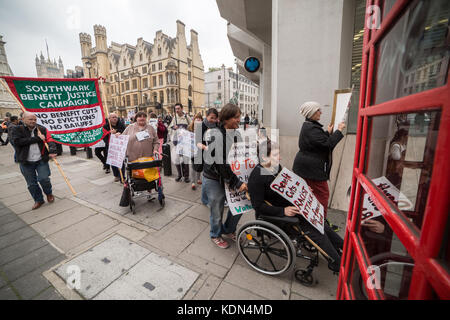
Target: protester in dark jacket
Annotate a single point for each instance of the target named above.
(117, 126)
(217, 172)
(313, 160)
(32, 155)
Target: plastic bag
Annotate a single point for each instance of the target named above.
(149, 174)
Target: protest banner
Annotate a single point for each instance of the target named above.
(70, 109)
(242, 158)
(370, 210)
(294, 189)
(186, 143)
(117, 150)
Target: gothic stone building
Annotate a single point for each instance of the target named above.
(147, 75)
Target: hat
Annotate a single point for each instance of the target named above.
(309, 108)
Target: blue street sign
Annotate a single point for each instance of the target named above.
(252, 64)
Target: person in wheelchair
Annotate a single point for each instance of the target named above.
(261, 194)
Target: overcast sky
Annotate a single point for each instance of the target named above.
(25, 24)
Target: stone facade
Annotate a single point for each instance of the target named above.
(140, 77)
(8, 106)
(222, 86)
(45, 68)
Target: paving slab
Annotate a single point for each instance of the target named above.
(6, 293)
(82, 231)
(22, 207)
(104, 263)
(176, 238)
(49, 294)
(103, 181)
(204, 248)
(208, 288)
(31, 262)
(270, 287)
(152, 215)
(48, 210)
(153, 278)
(8, 217)
(63, 220)
(11, 227)
(10, 175)
(17, 198)
(21, 249)
(227, 291)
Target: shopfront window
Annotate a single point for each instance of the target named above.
(390, 266)
(400, 161)
(414, 55)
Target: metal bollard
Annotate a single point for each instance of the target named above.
(166, 160)
(73, 151)
(88, 153)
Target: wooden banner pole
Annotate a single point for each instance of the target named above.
(107, 113)
(46, 145)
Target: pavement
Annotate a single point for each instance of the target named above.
(86, 246)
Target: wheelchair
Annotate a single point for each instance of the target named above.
(141, 187)
(271, 244)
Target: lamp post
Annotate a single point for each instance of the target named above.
(89, 66)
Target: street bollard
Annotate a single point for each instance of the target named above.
(59, 149)
(88, 153)
(166, 160)
(73, 151)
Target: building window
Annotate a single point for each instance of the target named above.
(140, 57)
(124, 62)
(123, 87)
(127, 85)
(145, 83)
(189, 75)
(160, 66)
(128, 101)
(161, 97)
(122, 75)
(219, 96)
(144, 70)
(135, 99)
(219, 85)
(159, 51)
(190, 91)
(189, 62)
(134, 84)
(219, 77)
(234, 84)
(161, 80)
(154, 81)
(153, 68)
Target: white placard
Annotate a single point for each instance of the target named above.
(370, 210)
(154, 123)
(186, 143)
(117, 150)
(342, 105)
(242, 158)
(294, 189)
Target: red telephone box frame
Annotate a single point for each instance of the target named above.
(429, 274)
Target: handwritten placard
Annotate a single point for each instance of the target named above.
(242, 158)
(117, 150)
(186, 143)
(294, 189)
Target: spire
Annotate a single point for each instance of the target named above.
(48, 54)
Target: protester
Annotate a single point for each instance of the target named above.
(117, 126)
(4, 129)
(162, 131)
(32, 155)
(142, 141)
(180, 121)
(14, 121)
(246, 121)
(313, 160)
(260, 191)
(102, 154)
(198, 120)
(218, 172)
(210, 122)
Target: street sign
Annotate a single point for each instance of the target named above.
(252, 64)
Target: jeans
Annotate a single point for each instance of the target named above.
(33, 173)
(216, 196)
(204, 196)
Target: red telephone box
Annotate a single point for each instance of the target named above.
(397, 233)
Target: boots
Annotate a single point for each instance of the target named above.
(186, 172)
(178, 166)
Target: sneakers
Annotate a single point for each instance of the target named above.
(107, 170)
(231, 236)
(116, 179)
(220, 242)
(333, 227)
(187, 180)
(178, 179)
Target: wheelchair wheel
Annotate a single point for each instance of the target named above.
(305, 277)
(266, 248)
